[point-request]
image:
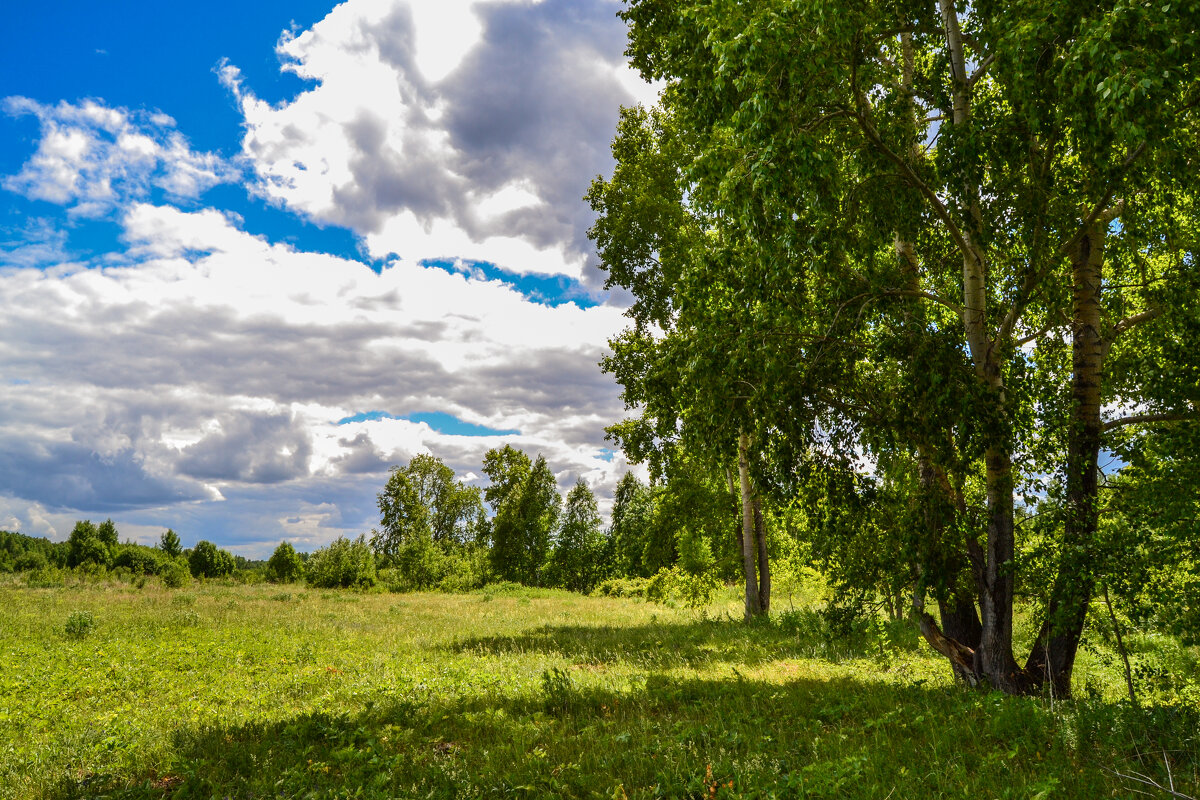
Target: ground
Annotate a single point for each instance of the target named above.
(266, 691)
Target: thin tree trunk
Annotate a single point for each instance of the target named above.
(749, 550)
(1053, 657)
(764, 566)
(994, 658)
(1121, 647)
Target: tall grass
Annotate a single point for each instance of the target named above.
(240, 691)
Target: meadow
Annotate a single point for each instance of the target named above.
(215, 690)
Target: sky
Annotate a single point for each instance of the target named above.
(253, 255)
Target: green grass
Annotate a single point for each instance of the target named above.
(263, 691)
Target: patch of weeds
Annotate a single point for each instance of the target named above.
(558, 691)
(306, 654)
(80, 625)
(283, 597)
(184, 600)
(185, 618)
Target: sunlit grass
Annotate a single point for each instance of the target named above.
(216, 691)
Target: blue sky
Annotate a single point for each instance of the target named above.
(255, 254)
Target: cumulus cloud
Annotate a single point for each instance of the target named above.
(214, 364)
(91, 158)
(481, 153)
(198, 377)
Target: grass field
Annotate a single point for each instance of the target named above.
(263, 691)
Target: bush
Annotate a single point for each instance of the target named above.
(138, 560)
(79, 624)
(209, 561)
(285, 565)
(31, 560)
(175, 575)
(343, 564)
(622, 587)
(694, 591)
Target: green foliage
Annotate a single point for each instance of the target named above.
(622, 587)
(425, 515)
(138, 559)
(285, 565)
(633, 508)
(169, 544)
(524, 496)
(342, 564)
(80, 625)
(31, 560)
(176, 574)
(206, 560)
(85, 547)
(675, 584)
(582, 553)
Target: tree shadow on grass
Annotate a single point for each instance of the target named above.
(672, 738)
(792, 635)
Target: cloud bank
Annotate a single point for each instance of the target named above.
(220, 382)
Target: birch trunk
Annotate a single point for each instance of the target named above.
(1053, 657)
(749, 549)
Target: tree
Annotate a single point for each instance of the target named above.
(170, 545)
(209, 561)
(633, 505)
(85, 547)
(421, 508)
(683, 264)
(107, 533)
(285, 565)
(343, 564)
(525, 501)
(578, 559)
(963, 191)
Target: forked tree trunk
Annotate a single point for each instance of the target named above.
(1053, 657)
(749, 546)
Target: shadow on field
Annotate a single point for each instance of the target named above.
(794, 634)
(666, 737)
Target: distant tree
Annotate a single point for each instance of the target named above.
(578, 560)
(285, 565)
(209, 561)
(525, 499)
(107, 532)
(424, 514)
(30, 560)
(138, 559)
(633, 507)
(85, 547)
(343, 564)
(169, 543)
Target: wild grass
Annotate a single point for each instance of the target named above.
(262, 691)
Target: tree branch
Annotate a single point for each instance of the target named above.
(1137, 319)
(1139, 419)
(941, 301)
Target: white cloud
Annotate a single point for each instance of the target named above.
(429, 119)
(213, 365)
(91, 158)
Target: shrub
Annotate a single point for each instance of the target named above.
(343, 564)
(209, 561)
(31, 560)
(285, 565)
(175, 575)
(622, 587)
(674, 583)
(86, 548)
(79, 624)
(137, 559)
